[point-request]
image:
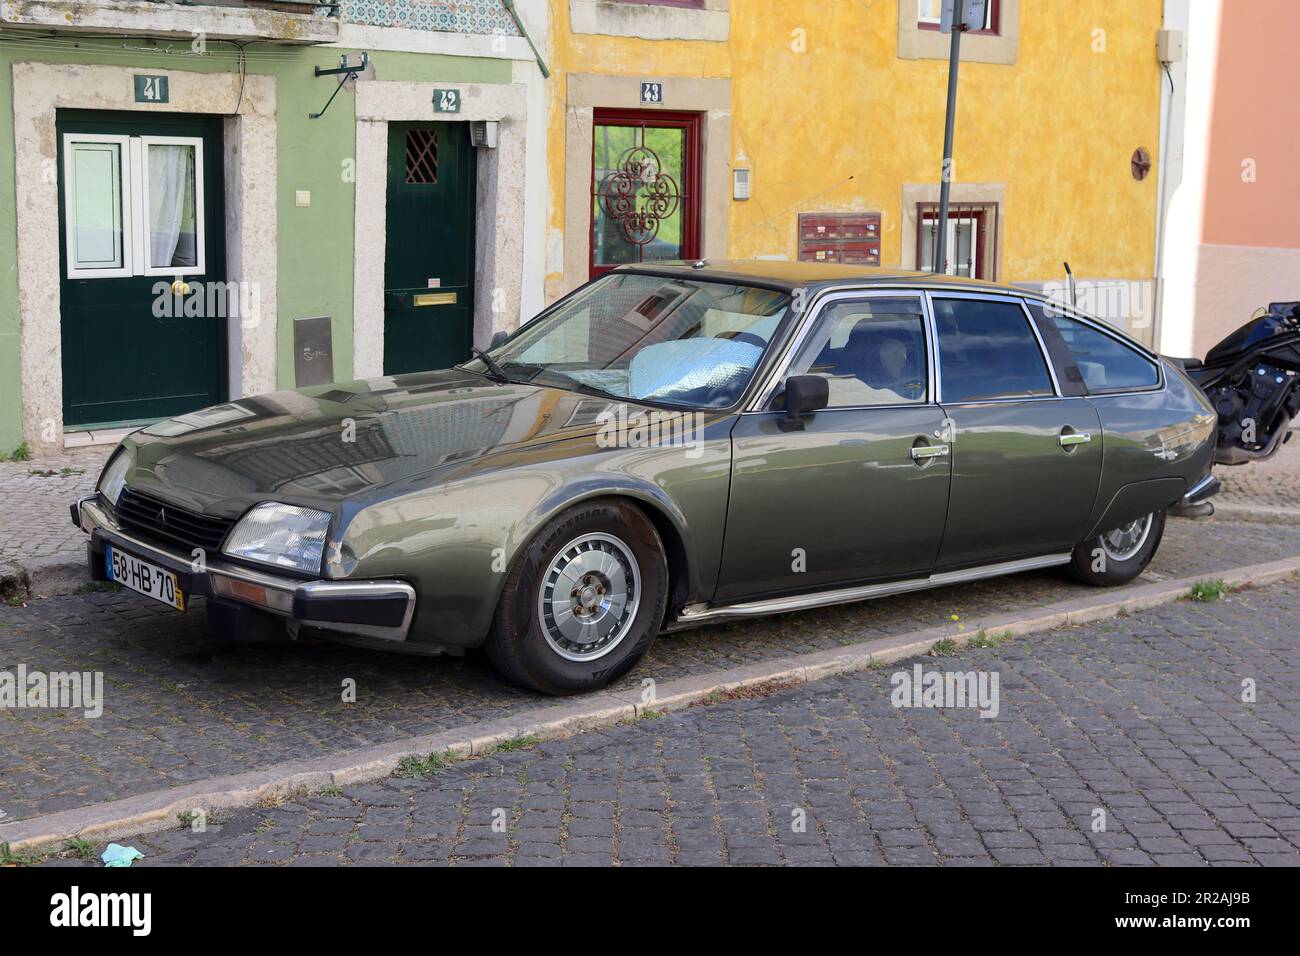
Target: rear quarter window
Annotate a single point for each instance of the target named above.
(1106, 363)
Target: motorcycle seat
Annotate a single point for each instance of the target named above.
(1187, 364)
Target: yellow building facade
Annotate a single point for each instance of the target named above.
(833, 111)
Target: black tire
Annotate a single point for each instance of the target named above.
(518, 646)
(1093, 563)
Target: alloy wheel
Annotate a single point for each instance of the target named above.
(589, 597)
(1124, 542)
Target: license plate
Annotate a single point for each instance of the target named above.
(143, 577)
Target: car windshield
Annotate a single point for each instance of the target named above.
(648, 338)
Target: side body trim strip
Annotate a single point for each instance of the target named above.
(700, 614)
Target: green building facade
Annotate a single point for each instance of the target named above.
(186, 220)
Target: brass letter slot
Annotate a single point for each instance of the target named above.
(435, 298)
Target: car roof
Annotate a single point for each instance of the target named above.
(785, 276)
(788, 276)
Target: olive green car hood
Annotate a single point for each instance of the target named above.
(357, 440)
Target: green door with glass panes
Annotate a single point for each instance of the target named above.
(144, 304)
(429, 256)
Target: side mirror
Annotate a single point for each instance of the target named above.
(803, 394)
(498, 339)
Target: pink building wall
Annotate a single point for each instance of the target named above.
(1249, 251)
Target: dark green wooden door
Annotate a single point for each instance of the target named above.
(141, 204)
(429, 261)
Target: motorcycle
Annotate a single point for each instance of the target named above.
(1252, 378)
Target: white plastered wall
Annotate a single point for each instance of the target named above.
(1184, 220)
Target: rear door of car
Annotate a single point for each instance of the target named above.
(854, 492)
(1026, 451)
(1144, 430)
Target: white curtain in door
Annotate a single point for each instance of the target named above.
(171, 205)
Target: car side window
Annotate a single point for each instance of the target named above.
(987, 350)
(1107, 364)
(871, 351)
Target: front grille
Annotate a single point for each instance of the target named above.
(170, 523)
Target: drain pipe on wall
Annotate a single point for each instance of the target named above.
(523, 31)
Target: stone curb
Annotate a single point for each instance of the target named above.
(1256, 514)
(158, 810)
(57, 574)
(13, 581)
(48, 576)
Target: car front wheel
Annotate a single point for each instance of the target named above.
(583, 602)
(1121, 554)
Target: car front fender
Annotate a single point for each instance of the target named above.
(457, 539)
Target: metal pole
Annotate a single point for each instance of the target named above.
(941, 227)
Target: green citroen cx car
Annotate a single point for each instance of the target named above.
(669, 445)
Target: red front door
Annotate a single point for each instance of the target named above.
(645, 187)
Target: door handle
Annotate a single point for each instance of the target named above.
(1070, 439)
(923, 452)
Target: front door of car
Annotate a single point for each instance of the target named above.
(855, 491)
(1026, 460)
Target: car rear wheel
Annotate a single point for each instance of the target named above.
(583, 602)
(1121, 554)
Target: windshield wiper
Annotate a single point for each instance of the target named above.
(494, 371)
(530, 369)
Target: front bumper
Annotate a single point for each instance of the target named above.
(378, 609)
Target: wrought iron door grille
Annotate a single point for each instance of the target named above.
(422, 156)
(638, 196)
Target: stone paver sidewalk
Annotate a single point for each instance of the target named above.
(39, 547)
(181, 707)
(1137, 723)
(1271, 484)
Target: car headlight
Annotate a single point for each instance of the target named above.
(282, 535)
(113, 478)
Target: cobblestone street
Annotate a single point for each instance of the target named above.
(1140, 718)
(37, 496)
(1274, 483)
(712, 785)
(182, 707)
(40, 550)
